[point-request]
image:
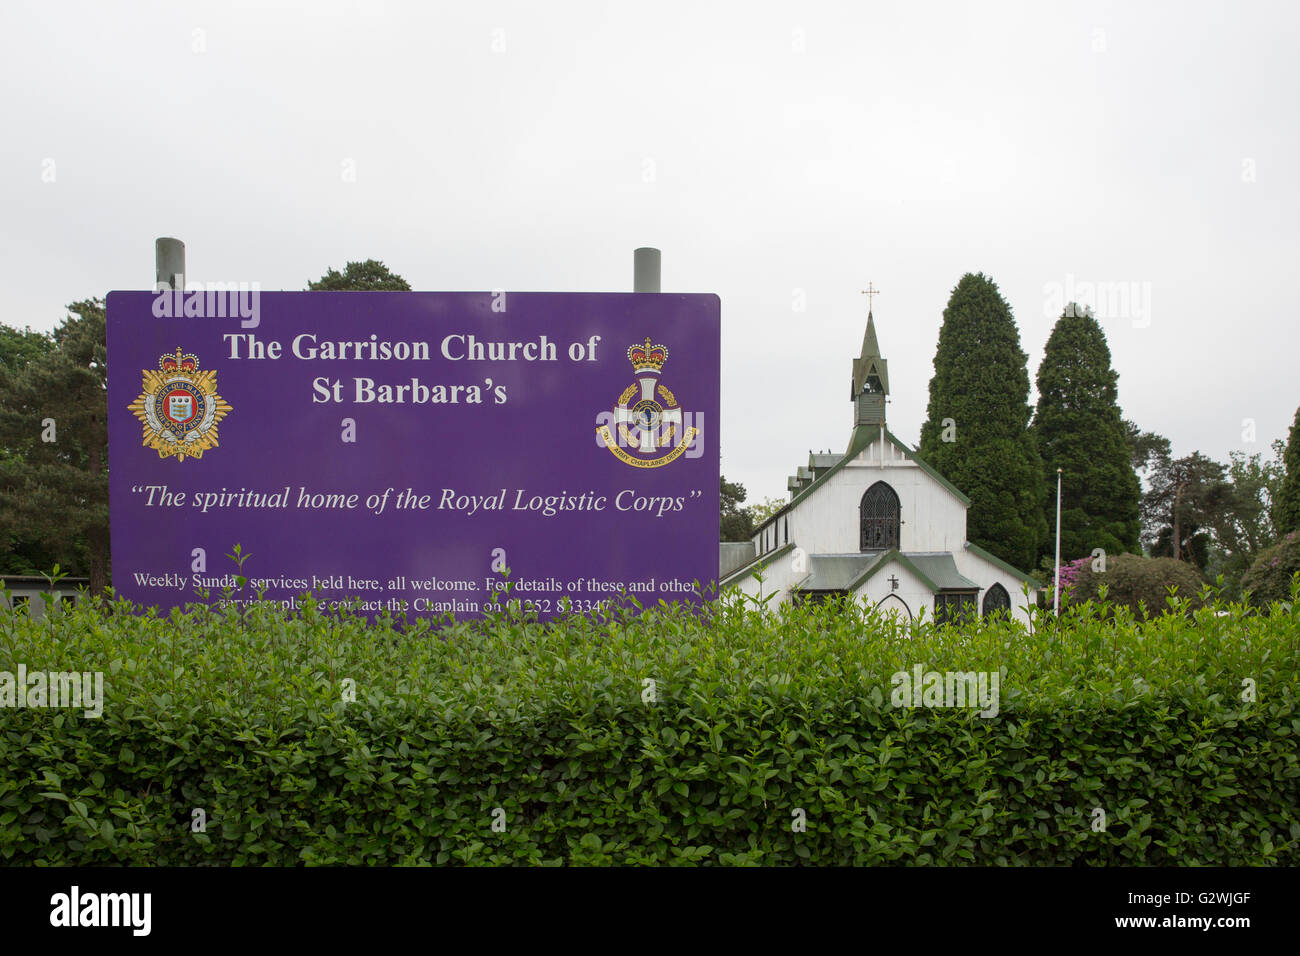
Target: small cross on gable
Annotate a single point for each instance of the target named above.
(893, 582)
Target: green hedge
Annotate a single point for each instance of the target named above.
(756, 717)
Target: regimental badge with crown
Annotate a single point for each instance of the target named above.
(648, 417)
(179, 407)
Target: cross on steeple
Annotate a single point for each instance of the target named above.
(869, 291)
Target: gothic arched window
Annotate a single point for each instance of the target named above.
(996, 600)
(880, 518)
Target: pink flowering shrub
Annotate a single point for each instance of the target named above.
(1135, 581)
(1070, 574)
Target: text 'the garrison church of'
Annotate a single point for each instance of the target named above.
(877, 524)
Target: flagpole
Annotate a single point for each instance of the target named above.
(1056, 591)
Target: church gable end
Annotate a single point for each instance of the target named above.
(877, 524)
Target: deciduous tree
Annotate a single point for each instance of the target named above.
(368, 276)
(1243, 526)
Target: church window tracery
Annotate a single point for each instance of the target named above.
(880, 517)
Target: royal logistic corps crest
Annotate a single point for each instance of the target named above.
(179, 407)
(647, 415)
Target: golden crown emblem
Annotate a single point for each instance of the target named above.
(169, 362)
(647, 357)
(179, 407)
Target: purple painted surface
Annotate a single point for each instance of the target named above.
(533, 434)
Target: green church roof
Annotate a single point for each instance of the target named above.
(938, 572)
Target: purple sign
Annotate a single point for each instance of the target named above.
(402, 449)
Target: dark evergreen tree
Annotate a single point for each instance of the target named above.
(1079, 429)
(735, 523)
(977, 433)
(1286, 509)
(1148, 448)
(18, 347)
(54, 481)
(368, 276)
(18, 554)
(1186, 500)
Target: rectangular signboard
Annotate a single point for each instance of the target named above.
(400, 448)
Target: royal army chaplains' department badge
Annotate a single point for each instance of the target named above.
(180, 408)
(648, 417)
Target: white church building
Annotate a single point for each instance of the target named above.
(877, 524)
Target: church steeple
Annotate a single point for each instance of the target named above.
(870, 380)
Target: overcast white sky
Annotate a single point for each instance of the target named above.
(777, 154)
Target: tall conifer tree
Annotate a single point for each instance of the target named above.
(1079, 429)
(53, 419)
(1286, 510)
(977, 433)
